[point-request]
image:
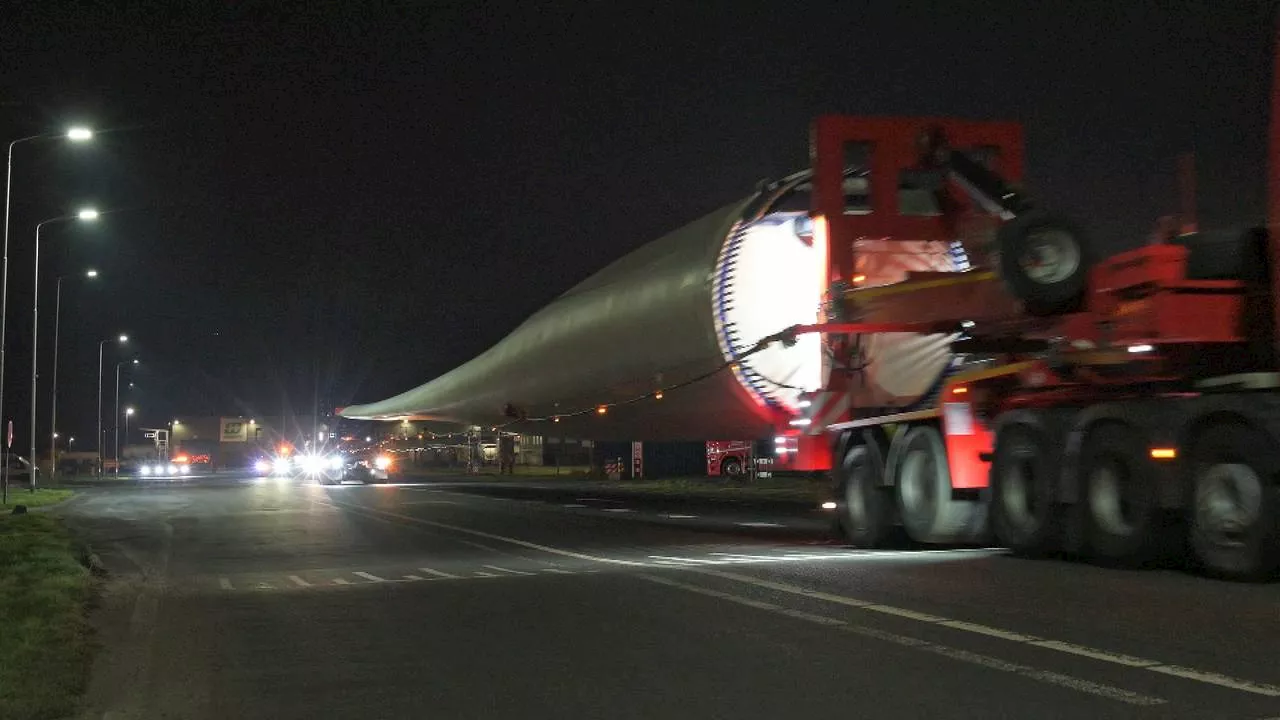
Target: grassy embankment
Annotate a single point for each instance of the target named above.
(45, 636)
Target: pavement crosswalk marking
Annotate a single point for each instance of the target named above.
(341, 581)
(481, 573)
(368, 576)
(299, 581)
(557, 571)
(412, 577)
(438, 573)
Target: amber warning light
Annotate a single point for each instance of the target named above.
(1164, 453)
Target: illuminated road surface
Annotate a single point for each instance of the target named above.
(242, 598)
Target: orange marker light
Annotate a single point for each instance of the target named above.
(959, 390)
(1164, 453)
(602, 410)
(657, 395)
(859, 278)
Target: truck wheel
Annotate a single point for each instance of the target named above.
(731, 468)
(1234, 508)
(865, 508)
(1122, 509)
(923, 482)
(1023, 488)
(1044, 262)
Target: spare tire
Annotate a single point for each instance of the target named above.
(1044, 261)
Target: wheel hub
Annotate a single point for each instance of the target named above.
(1228, 503)
(1051, 256)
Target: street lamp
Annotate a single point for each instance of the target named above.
(53, 412)
(86, 215)
(128, 413)
(117, 421)
(75, 134)
(122, 339)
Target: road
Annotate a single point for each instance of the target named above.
(235, 597)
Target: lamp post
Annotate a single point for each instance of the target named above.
(53, 410)
(87, 215)
(75, 134)
(117, 420)
(128, 413)
(122, 339)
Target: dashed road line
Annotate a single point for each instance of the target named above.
(1172, 670)
(369, 576)
(412, 577)
(1053, 678)
(574, 505)
(758, 524)
(1249, 686)
(557, 571)
(438, 573)
(618, 510)
(506, 570)
(341, 581)
(299, 581)
(677, 516)
(225, 584)
(483, 574)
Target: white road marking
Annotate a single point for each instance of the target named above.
(1045, 676)
(575, 505)
(758, 524)
(438, 573)
(479, 533)
(412, 577)
(1212, 678)
(677, 516)
(341, 581)
(505, 570)
(368, 576)
(481, 573)
(299, 581)
(690, 561)
(557, 571)
(1055, 645)
(266, 586)
(618, 510)
(225, 584)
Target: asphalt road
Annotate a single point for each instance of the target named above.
(234, 597)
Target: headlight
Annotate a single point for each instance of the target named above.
(173, 469)
(335, 462)
(145, 469)
(281, 466)
(157, 469)
(382, 462)
(311, 464)
(261, 466)
(184, 469)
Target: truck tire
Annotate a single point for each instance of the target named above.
(1235, 504)
(865, 509)
(1024, 488)
(922, 479)
(1122, 508)
(731, 467)
(1044, 261)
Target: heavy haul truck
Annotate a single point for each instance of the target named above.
(955, 356)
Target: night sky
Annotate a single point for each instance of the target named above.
(360, 199)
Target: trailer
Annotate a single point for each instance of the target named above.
(1098, 407)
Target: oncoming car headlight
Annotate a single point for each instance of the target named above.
(335, 462)
(382, 462)
(145, 469)
(281, 466)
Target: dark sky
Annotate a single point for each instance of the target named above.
(372, 193)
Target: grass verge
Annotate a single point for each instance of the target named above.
(42, 496)
(45, 635)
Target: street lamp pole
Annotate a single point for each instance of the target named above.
(87, 215)
(116, 422)
(101, 437)
(53, 410)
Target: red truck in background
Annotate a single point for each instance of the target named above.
(729, 458)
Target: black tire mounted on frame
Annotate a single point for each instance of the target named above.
(1234, 504)
(865, 514)
(1024, 484)
(1044, 261)
(1122, 509)
(922, 480)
